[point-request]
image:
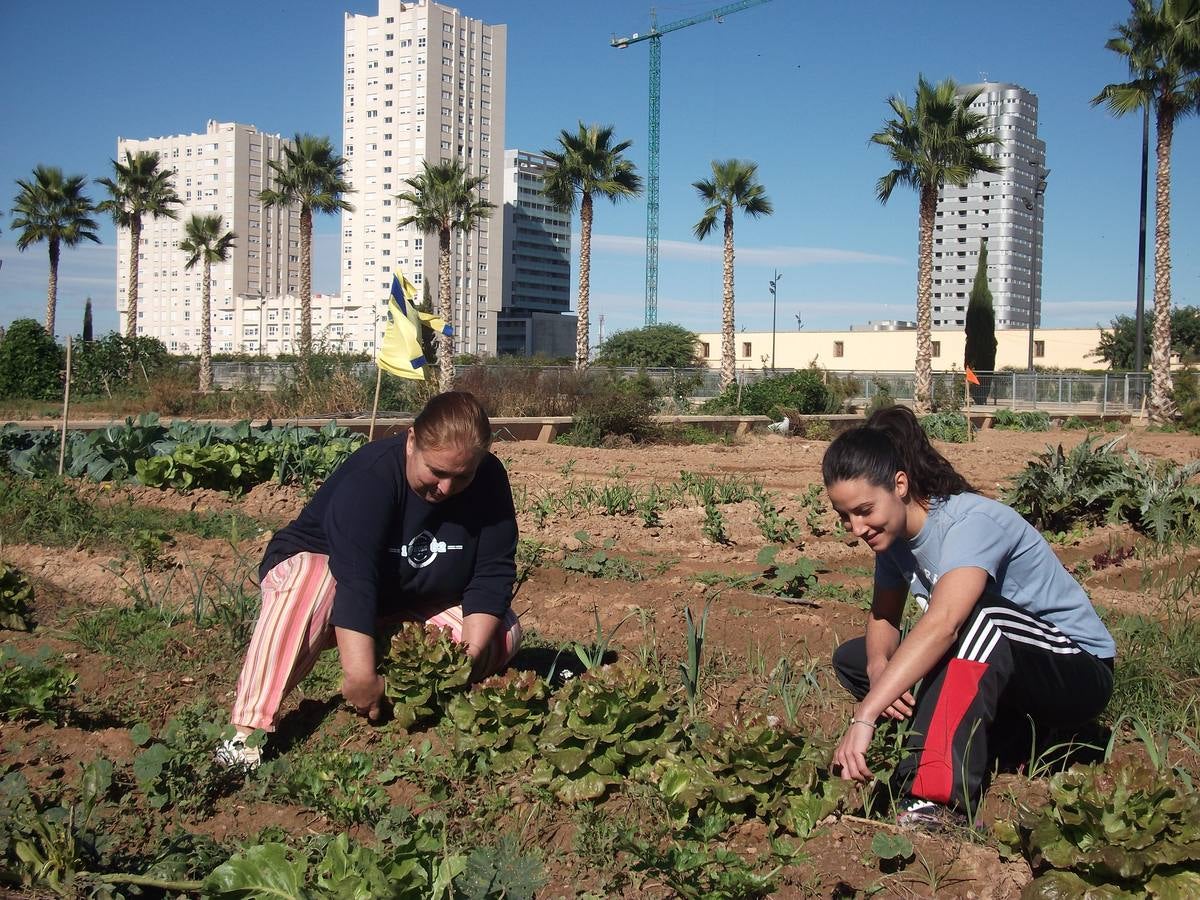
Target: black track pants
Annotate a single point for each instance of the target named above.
(1006, 662)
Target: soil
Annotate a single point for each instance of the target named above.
(747, 632)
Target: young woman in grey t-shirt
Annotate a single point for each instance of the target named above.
(1007, 636)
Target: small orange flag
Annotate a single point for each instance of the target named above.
(971, 376)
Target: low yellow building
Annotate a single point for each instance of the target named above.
(894, 350)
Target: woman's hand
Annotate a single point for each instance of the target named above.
(364, 694)
(851, 752)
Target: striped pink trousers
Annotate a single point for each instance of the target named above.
(293, 630)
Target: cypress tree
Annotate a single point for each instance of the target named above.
(981, 329)
(87, 321)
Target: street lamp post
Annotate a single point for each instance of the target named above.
(774, 305)
(1032, 204)
(1139, 336)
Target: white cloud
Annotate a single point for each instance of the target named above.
(777, 256)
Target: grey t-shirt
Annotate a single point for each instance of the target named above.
(973, 530)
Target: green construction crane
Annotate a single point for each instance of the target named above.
(654, 36)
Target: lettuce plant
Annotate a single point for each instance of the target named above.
(423, 669)
(15, 597)
(750, 769)
(498, 719)
(603, 727)
(33, 687)
(1108, 829)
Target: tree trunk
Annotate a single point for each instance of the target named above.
(1161, 406)
(131, 292)
(206, 370)
(305, 347)
(446, 311)
(923, 365)
(728, 359)
(52, 287)
(582, 332)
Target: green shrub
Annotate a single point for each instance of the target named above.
(1074, 423)
(31, 362)
(804, 391)
(614, 407)
(1026, 420)
(33, 687)
(1187, 399)
(946, 426)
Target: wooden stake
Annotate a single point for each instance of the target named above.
(62, 445)
(375, 404)
(967, 401)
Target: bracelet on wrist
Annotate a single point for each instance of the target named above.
(854, 721)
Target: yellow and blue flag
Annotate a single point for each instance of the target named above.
(401, 352)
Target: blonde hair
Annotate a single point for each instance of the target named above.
(453, 419)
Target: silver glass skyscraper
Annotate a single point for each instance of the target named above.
(1005, 208)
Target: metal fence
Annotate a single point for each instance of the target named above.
(1105, 394)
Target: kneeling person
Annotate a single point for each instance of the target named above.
(419, 527)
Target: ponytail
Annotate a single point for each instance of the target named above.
(892, 441)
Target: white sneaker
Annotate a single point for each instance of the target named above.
(234, 754)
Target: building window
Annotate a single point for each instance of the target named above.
(937, 348)
(745, 348)
(705, 349)
(839, 348)
(1039, 348)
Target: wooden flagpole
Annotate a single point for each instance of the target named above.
(62, 445)
(375, 404)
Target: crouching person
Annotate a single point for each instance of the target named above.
(1007, 636)
(418, 527)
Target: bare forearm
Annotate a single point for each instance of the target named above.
(882, 640)
(479, 632)
(912, 660)
(357, 651)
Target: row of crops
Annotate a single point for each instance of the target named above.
(183, 455)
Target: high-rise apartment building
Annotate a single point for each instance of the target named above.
(537, 264)
(422, 82)
(1005, 208)
(221, 170)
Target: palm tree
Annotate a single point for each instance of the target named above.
(311, 176)
(205, 243)
(588, 163)
(938, 141)
(54, 209)
(733, 186)
(139, 188)
(444, 199)
(1161, 44)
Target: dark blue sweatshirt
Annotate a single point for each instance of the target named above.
(386, 545)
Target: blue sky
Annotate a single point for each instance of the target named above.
(797, 87)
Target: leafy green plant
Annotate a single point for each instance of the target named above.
(714, 524)
(891, 849)
(33, 687)
(339, 783)
(649, 507)
(617, 499)
(690, 670)
(591, 656)
(599, 562)
(775, 527)
(812, 501)
(751, 769)
(46, 845)
(788, 580)
(1025, 420)
(792, 688)
(179, 769)
(697, 867)
(603, 727)
(15, 596)
(1073, 423)
(498, 719)
(950, 426)
(1108, 828)
(501, 872)
(423, 669)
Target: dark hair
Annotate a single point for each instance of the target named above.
(453, 419)
(892, 441)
